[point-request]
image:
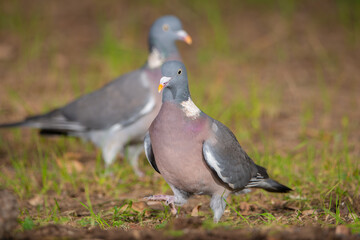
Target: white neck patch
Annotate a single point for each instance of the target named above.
(190, 109)
(155, 59)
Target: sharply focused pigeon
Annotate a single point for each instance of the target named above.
(195, 153)
(120, 113)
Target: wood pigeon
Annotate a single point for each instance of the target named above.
(195, 153)
(120, 113)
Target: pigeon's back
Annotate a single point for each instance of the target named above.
(119, 102)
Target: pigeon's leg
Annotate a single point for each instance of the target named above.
(180, 198)
(109, 152)
(133, 153)
(168, 199)
(218, 205)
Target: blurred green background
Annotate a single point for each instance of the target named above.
(283, 75)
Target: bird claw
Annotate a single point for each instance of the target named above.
(167, 199)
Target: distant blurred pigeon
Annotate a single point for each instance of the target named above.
(120, 113)
(195, 153)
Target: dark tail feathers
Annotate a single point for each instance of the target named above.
(262, 180)
(32, 121)
(14, 124)
(54, 132)
(51, 123)
(33, 124)
(273, 186)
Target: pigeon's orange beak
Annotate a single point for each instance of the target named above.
(160, 87)
(188, 39)
(163, 82)
(184, 36)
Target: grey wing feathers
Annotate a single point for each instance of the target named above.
(149, 152)
(119, 102)
(224, 155)
(122, 102)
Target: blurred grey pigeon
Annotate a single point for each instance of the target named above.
(195, 153)
(120, 113)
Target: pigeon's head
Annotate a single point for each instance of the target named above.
(174, 76)
(165, 31)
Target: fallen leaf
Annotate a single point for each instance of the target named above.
(227, 212)
(137, 206)
(292, 206)
(308, 212)
(70, 162)
(36, 201)
(297, 197)
(245, 208)
(72, 155)
(69, 213)
(195, 211)
(123, 208)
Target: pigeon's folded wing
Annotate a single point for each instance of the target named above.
(149, 152)
(225, 157)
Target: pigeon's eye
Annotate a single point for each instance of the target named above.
(165, 27)
(179, 72)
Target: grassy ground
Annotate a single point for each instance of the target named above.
(283, 75)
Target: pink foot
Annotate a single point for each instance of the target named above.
(169, 200)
